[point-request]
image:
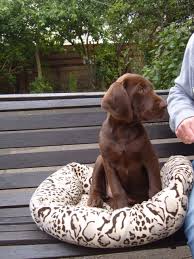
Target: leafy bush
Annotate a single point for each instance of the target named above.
(41, 85)
(168, 54)
(106, 65)
(72, 83)
(112, 60)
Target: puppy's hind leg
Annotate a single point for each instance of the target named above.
(98, 185)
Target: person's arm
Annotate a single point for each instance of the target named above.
(181, 98)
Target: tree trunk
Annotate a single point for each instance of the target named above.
(90, 67)
(38, 62)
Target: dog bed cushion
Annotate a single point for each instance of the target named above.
(59, 207)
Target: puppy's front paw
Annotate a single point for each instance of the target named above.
(95, 201)
(132, 201)
(119, 203)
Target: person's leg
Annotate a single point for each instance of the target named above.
(189, 221)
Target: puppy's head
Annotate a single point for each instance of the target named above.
(132, 97)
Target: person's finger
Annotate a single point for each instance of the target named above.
(192, 130)
(182, 135)
(189, 134)
(185, 131)
(187, 141)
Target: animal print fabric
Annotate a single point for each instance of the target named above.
(59, 207)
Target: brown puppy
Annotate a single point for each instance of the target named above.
(127, 171)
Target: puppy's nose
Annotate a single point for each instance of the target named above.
(163, 104)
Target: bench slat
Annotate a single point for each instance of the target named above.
(15, 197)
(52, 158)
(79, 135)
(25, 237)
(171, 149)
(27, 179)
(48, 119)
(159, 131)
(15, 212)
(49, 137)
(54, 119)
(19, 227)
(54, 96)
(16, 220)
(49, 104)
(82, 154)
(22, 180)
(51, 96)
(63, 250)
(58, 250)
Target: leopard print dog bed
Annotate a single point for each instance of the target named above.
(58, 207)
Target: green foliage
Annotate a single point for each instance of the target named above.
(139, 23)
(41, 85)
(106, 65)
(167, 55)
(113, 60)
(23, 29)
(28, 25)
(114, 26)
(13, 51)
(72, 83)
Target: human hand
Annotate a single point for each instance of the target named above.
(185, 131)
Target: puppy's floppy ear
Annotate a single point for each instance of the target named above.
(116, 101)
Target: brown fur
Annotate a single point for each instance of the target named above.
(127, 170)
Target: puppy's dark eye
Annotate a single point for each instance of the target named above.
(141, 89)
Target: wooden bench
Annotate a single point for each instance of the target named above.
(41, 133)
